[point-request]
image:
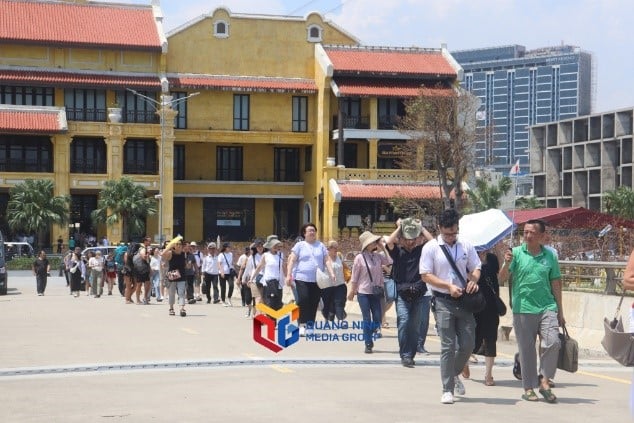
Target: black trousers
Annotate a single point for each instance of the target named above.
(334, 299)
(224, 282)
(41, 283)
(211, 283)
(308, 295)
(120, 283)
(190, 287)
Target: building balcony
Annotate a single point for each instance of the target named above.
(356, 122)
(358, 174)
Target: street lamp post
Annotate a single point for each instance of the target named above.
(166, 101)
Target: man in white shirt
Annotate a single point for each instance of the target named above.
(456, 326)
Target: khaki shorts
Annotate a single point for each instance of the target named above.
(256, 292)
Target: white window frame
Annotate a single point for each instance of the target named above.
(221, 34)
(317, 39)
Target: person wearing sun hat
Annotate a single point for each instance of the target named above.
(405, 245)
(366, 283)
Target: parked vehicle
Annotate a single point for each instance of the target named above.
(18, 249)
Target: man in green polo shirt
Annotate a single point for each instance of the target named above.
(537, 307)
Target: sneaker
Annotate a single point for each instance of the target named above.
(458, 386)
(225, 304)
(368, 349)
(199, 298)
(229, 303)
(310, 332)
(39, 294)
(192, 301)
(302, 331)
(216, 301)
(447, 398)
(407, 362)
(247, 314)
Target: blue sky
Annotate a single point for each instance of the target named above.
(602, 27)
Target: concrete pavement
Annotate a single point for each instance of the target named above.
(86, 359)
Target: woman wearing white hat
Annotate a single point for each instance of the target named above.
(367, 284)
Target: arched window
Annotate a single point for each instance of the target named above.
(221, 29)
(314, 34)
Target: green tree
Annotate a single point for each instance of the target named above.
(443, 133)
(124, 201)
(620, 202)
(528, 203)
(487, 195)
(32, 208)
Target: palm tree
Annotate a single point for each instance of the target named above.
(528, 203)
(620, 202)
(485, 196)
(124, 201)
(32, 208)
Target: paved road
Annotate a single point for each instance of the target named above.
(91, 360)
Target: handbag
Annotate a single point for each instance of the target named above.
(323, 279)
(473, 302)
(499, 303)
(390, 290)
(74, 268)
(617, 343)
(568, 353)
(173, 275)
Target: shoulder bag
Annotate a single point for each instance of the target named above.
(617, 343)
(376, 289)
(499, 303)
(471, 302)
(232, 272)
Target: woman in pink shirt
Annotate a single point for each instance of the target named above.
(367, 284)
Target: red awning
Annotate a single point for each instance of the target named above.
(243, 83)
(36, 120)
(386, 192)
(362, 87)
(569, 218)
(79, 80)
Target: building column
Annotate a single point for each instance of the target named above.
(114, 145)
(61, 181)
(166, 172)
(373, 152)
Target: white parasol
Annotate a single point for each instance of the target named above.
(485, 229)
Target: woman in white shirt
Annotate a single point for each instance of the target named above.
(225, 265)
(272, 263)
(155, 273)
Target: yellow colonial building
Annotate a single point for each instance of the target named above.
(240, 125)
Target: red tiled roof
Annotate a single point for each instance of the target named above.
(385, 192)
(243, 83)
(59, 23)
(68, 79)
(387, 88)
(26, 120)
(569, 217)
(390, 62)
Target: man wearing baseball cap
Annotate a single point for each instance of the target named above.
(404, 246)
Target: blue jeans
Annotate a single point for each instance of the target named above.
(408, 319)
(370, 305)
(156, 284)
(424, 321)
(456, 328)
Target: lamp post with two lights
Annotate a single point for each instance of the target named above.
(160, 107)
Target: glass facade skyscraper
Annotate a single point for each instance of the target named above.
(519, 88)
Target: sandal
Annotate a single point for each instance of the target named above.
(548, 395)
(530, 396)
(386, 325)
(172, 312)
(488, 381)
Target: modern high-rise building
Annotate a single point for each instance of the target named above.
(519, 88)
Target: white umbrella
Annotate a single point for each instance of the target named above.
(485, 229)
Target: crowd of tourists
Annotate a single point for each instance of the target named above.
(410, 268)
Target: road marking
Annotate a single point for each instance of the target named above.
(281, 369)
(190, 331)
(610, 378)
